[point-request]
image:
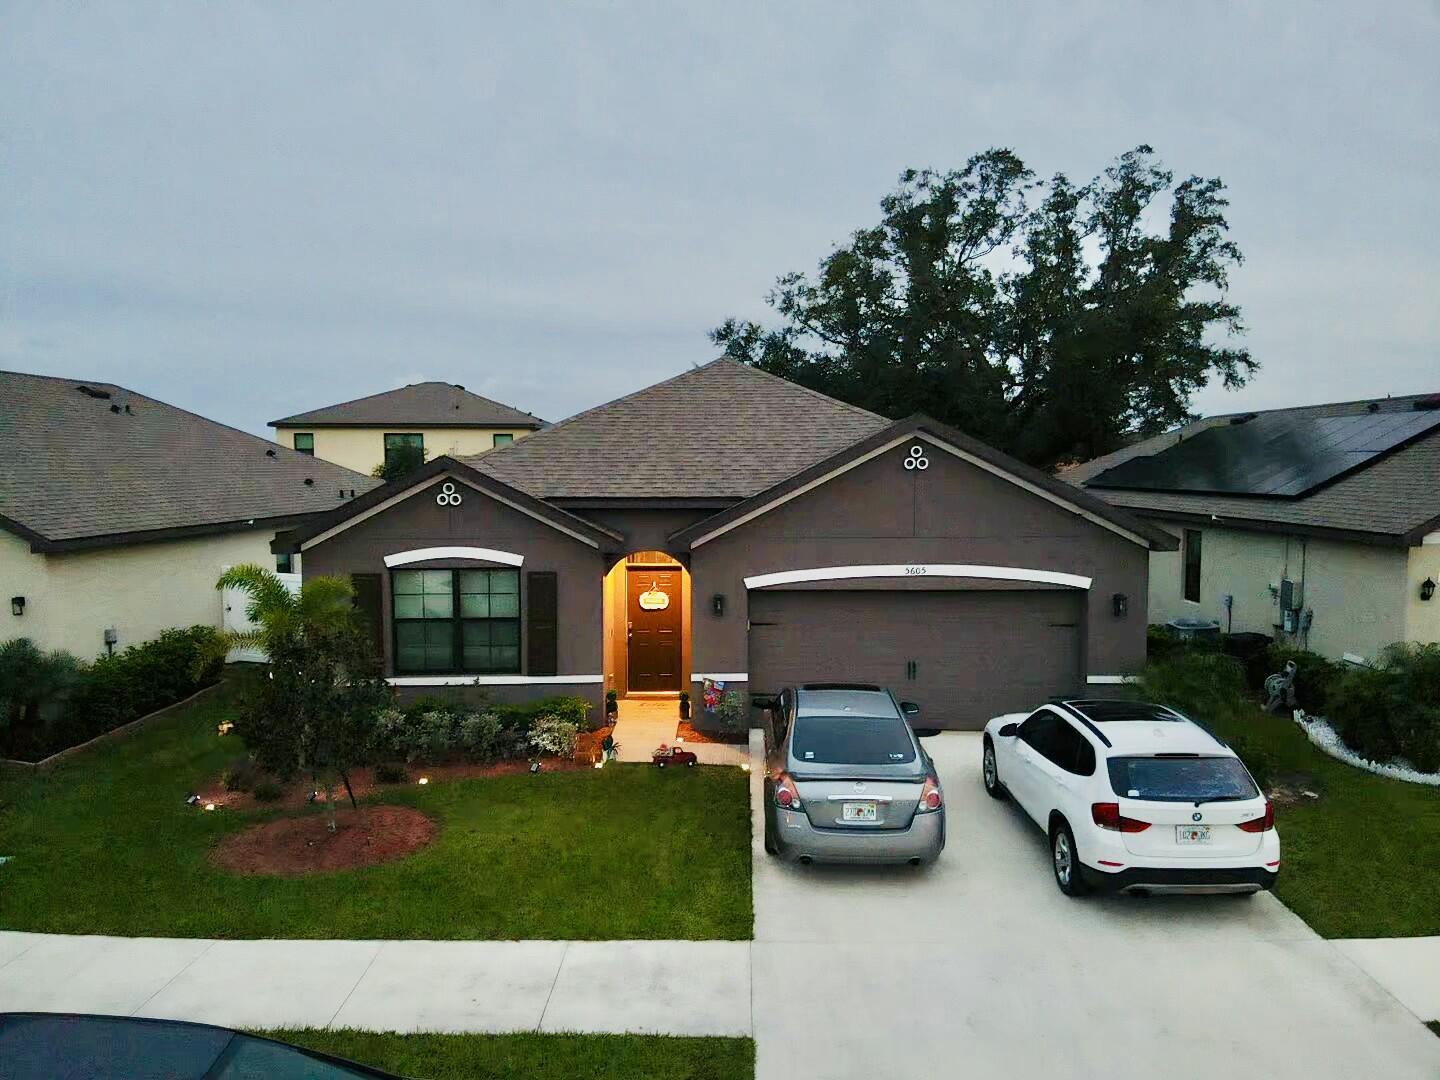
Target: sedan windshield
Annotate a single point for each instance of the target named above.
(1181, 779)
(852, 740)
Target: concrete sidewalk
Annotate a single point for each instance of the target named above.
(660, 987)
(1408, 967)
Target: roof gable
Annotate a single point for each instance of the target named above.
(424, 404)
(102, 464)
(722, 430)
(943, 438)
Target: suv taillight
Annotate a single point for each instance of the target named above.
(1264, 823)
(787, 795)
(930, 797)
(1107, 815)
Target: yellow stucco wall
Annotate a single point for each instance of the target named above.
(139, 589)
(362, 449)
(1422, 617)
(1358, 592)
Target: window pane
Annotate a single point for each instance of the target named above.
(502, 438)
(439, 607)
(305, 442)
(475, 605)
(505, 633)
(506, 658)
(409, 607)
(504, 581)
(409, 581)
(505, 607)
(421, 646)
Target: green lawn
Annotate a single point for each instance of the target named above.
(106, 845)
(536, 1057)
(1364, 859)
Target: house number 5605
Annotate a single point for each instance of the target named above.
(914, 571)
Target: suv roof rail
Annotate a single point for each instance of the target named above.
(840, 686)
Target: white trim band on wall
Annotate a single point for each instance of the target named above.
(403, 558)
(917, 570)
(495, 680)
(1110, 680)
(721, 676)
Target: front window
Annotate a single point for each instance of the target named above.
(1192, 565)
(401, 447)
(457, 621)
(852, 740)
(1181, 779)
(305, 442)
(502, 438)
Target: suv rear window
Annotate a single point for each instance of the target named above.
(852, 740)
(1181, 779)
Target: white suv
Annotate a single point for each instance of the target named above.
(1134, 796)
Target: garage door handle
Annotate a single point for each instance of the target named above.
(911, 669)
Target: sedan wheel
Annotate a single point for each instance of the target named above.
(993, 787)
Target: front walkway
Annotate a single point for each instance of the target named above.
(661, 987)
(645, 723)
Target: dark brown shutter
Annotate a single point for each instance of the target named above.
(369, 604)
(541, 622)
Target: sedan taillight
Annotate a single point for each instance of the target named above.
(787, 795)
(931, 798)
(1264, 823)
(1107, 815)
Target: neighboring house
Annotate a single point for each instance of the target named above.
(118, 512)
(730, 525)
(1317, 525)
(437, 417)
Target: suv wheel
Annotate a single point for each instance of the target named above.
(993, 787)
(1065, 860)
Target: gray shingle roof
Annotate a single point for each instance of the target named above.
(1391, 497)
(723, 430)
(425, 404)
(75, 468)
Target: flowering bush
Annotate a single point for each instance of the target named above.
(554, 735)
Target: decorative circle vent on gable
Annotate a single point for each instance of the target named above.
(917, 459)
(448, 495)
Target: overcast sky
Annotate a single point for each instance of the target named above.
(253, 210)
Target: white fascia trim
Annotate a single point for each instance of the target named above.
(380, 508)
(721, 676)
(1094, 519)
(812, 485)
(1110, 680)
(1431, 538)
(403, 558)
(916, 570)
(495, 680)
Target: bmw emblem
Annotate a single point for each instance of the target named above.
(859, 786)
(1194, 817)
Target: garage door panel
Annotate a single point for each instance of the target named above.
(961, 656)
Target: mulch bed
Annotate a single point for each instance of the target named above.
(297, 793)
(305, 845)
(693, 734)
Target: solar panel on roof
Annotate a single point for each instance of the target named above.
(1275, 454)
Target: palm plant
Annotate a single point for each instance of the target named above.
(30, 680)
(323, 603)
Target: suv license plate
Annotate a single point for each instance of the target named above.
(1192, 834)
(857, 811)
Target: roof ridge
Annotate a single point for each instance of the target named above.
(802, 386)
(64, 379)
(396, 389)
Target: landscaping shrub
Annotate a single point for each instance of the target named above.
(391, 772)
(1315, 676)
(1161, 642)
(115, 690)
(33, 685)
(554, 735)
(242, 774)
(1393, 709)
(1200, 683)
(267, 790)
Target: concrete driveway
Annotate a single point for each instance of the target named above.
(980, 967)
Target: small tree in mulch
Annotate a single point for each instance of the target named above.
(315, 713)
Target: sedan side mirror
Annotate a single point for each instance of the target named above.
(925, 732)
(909, 708)
(1009, 731)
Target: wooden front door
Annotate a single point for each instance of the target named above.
(653, 610)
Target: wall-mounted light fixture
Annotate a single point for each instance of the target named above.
(717, 604)
(1427, 590)
(17, 605)
(1120, 604)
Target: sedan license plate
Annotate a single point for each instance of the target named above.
(857, 811)
(1192, 834)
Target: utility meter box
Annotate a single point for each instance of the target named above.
(1290, 599)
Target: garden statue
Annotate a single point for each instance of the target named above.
(1280, 689)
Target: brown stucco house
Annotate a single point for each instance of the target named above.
(730, 525)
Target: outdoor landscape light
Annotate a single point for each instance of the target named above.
(1427, 590)
(423, 780)
(209, 806)
(17, 605)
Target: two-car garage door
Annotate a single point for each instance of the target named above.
(962, 656)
